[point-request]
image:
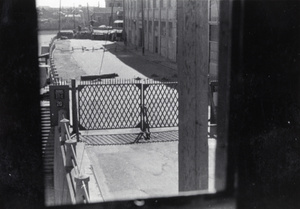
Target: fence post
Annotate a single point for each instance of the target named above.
(80, 193)
(74, 109)
(63, 130)
(69, 153)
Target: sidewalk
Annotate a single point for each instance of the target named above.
(134, 170)
(152, 57)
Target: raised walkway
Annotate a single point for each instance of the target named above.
(125, 170)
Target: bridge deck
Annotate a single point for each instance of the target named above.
(126, 170)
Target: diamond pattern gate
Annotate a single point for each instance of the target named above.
(161, 100)
(117, 105)
(108, 106)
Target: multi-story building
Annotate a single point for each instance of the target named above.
(115, 3)
(152, 24)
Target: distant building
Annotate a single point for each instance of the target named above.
(159, 25)
(115, 3)
(102, 16)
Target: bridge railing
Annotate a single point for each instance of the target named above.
(70, 183)
(53, 71)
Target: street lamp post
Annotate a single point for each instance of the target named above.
(143, 35)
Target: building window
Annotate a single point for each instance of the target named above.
(134, 6)
(145, 26)
(169, 3)
(156, 27)
(161, 3)
(149, 4)
(214, 10)
(154, 3)
(150, 27)
(170, 29)
(163, 28)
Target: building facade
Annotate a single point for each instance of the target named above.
(152, 24)
(115, 3)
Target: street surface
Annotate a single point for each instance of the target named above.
(107, 57)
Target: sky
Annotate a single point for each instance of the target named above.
(70, 3)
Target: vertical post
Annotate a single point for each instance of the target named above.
(80, 193)
(69, 152)
(59, 16)
(74, 16)
(74, 109)
(64, 122)
(88, 13)
(143, 32)
(193, 94)
(112, 13)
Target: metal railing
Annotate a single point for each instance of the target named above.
(70, 183)
(54, 79)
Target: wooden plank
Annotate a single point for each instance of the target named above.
(193, 90)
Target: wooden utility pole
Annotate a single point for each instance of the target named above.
(193, 61)
(112, 13)
(88, 13)
(59, 13)
(74, 16)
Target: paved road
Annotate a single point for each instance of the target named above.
(75, 63)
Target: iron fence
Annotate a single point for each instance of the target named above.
(117, 104)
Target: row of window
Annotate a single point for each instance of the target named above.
(133, 4)
(116, 5)
(148, 25)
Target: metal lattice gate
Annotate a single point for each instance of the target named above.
(161, 100)
(117, 105)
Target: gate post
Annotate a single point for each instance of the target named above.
(74, 109)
